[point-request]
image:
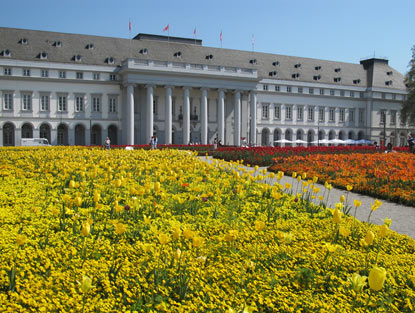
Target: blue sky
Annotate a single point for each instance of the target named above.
(340, 30)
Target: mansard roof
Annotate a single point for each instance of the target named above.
(28, 45)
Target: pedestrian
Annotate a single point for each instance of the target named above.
(215, 143)
(154, 142)
(107, 143)
(377, 148)
(411, 143)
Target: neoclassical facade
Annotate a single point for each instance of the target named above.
(78, 89)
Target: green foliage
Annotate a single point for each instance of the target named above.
(408, 106)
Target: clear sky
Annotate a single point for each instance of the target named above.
(340, 30)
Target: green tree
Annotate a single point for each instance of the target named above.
(408, 106)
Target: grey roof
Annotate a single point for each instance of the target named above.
(160, 50)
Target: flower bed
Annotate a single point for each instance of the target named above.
(263, 156)
(90, 230)
(384, 175)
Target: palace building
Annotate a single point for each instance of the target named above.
(78, 89)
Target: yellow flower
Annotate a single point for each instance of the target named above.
(357, 282)
(378, 203)
(86, 228)
(370, 236)
(357, 203)
(377, 278)
(331, 247)
(294, 175)
(387, 222)
(21, 239)
(383, 230)
(259, 225)
(304, 176)
(315, 179)
(188, 233)
(86, 284)
(345, 232)
(287, 186)
(288, 237)
(299, 178)
(197, 241)
(157, 187)
(231, 235)
(178, 254)
(349, 187)
(176, 232)
(72, 184)
(97, 197)
(163, 239)
(337, 216)
(321, 198)
(78, 201)
(280, 175)
(120, 228)
(363, 242)
(54, 210)
(147, 219)
(342, 198)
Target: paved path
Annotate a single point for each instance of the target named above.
(403, 217)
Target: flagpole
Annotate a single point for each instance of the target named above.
(129, 37)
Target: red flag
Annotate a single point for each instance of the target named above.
(166, 28)
(220, 35)
(194, 32)
(129, 25)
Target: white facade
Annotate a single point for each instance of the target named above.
(74, 103)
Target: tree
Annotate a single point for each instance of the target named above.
(408, 106)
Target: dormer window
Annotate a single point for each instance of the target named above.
(178, 54)
(298, 65)
(209, 57)
(356, 81)
(77, 58)
(390, 73)
(43, 56)
(143, 51)
(89, 46)
(337, 79)
(110, 60)
(337, 70)
(273, 73)
(276, 63)
(317, 68)
(317, 77)
(295, 75)
(252, 61)
(388, 83)
(23, 41)
(6, 53)
(57, 44)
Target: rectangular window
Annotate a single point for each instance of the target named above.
(300, 89)
(96, 104)
(62, 103)
(79, 103)
(342, 115)
(351, 115)
(383, 95)
(288, 112)
(155, 105)
(310, 113)
(352, 94)
(265, 87)
(332, 92)
(393, 117)
(277, 111)
(26, 102)
(113, 77)
(8, 101)
(332, 114)
(7, 71)
(321, 111)
(311, 91)
(265, 111)
(62, 74)
(44, 73)
(361, 116)
(383, 117)
(300, 113)
(26, 72)
(341, 93)
(96, 76)
(394, 96)
(321, 91)
(288, 88)
(112, 105)
(79, 75)
(44, 102)
(277, 88)
(361, 94)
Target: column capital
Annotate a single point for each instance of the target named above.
(169, 86)
(204, 88)
(222, 89)
(129, 85)
(150, 85)
(187, 88)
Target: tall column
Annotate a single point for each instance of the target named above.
(150, 114)
(169, 118)
(253, 118)
(130, 114)
(204, 117)
(221, 116)
(237, 119)
(186, 115)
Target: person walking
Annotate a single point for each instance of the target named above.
(107, 143)
(411, 143)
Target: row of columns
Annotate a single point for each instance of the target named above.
(186, 115)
